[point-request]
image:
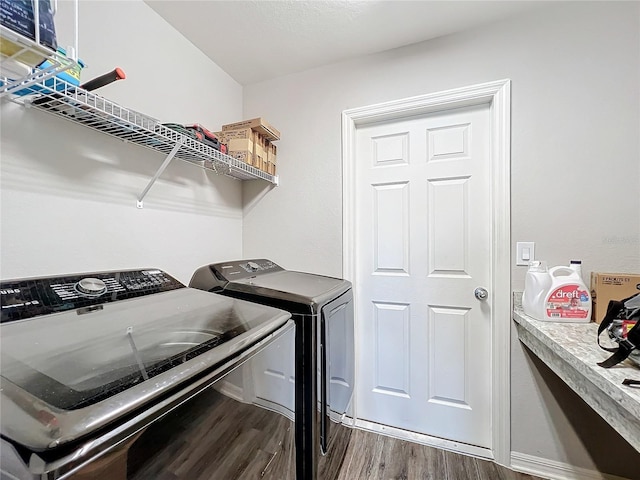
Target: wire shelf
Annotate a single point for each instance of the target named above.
(57, 97)
(28, 52)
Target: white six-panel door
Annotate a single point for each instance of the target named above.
(423, 237)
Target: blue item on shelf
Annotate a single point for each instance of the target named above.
(71, 76)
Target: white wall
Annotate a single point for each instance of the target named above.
(575, 71)
(69, 193)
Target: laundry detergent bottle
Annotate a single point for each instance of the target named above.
(536, 287)
(568, 298)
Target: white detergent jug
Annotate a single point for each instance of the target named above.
(568, 298)
(536, 286)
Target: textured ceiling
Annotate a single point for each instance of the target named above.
(258, 40)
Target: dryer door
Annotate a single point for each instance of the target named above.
(337, 364)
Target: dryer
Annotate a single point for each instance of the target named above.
(317, 367)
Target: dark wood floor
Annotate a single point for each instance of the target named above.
(236, 441)
(377, 457)
(215, 438)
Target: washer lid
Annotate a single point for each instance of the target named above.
(299, 287)
(67, 374)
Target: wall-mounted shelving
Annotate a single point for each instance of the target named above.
(29, 52)
(57, 97)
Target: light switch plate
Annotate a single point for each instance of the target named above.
(525, 252)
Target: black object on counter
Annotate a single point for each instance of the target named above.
(618, 311)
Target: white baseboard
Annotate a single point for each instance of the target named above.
(422, 439)
(231, 390)
(553, 470)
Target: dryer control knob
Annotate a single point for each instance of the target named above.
(91, 286)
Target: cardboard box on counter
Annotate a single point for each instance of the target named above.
(611, 286)
(258, 124)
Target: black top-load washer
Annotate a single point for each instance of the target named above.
(91, 360)
(322, 309)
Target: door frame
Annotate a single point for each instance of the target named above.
(497, 95)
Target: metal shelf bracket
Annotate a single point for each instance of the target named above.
(165, 164)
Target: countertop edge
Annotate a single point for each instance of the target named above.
(571, 351)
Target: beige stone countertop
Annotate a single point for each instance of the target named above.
(571, 351)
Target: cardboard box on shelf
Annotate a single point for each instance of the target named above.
(611, 286)
(271, 152)
(250, 146)
(237, 140)
(243, 156)
(258, 124)
(260, 151)
(241, 145)
(238, 133)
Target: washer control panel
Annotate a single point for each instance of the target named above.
(31, 297)
(91, 287)
(240, 269)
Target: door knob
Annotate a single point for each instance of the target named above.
(481, 293)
